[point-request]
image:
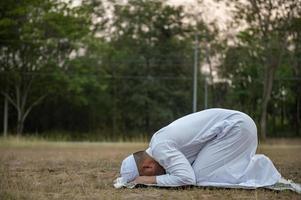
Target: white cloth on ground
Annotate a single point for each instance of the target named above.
(282, 184)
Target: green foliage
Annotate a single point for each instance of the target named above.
(120, 71)
(270, 42)
(147, 42)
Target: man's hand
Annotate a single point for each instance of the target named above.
(145, 180)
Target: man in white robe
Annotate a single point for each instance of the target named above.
(214, 147)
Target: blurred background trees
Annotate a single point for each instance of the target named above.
(262, 53)
(111, 70)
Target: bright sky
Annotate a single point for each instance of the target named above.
(208, 10)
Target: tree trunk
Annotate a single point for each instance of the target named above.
(114, 109)
(298, 113)
(19, 104)
(267, 90)
(210, 72)
(147, 110)
(297, 73)
(5, 117)
(20, 125)
(274, 124)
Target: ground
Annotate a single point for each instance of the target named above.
(58, 170)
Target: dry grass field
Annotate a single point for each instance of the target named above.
(48, 170)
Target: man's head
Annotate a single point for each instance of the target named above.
(140, 164)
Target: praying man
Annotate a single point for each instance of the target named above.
(214, 147)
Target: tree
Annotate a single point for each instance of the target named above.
(267, 23)
(150, 60)
(240, 67)
(37, 36)
(294, 30)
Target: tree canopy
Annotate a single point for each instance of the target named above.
(111, 70)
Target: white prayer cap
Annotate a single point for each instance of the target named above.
(129, 170)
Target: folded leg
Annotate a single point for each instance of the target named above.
(230, 160)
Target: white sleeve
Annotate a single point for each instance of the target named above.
(219, 129)
(178, 169)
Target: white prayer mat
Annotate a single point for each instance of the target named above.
(282, 184)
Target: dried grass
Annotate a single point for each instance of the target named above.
(48, 170)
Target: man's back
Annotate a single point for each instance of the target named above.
(190, 133)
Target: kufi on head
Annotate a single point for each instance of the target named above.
(129, 170)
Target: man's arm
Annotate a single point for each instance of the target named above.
(145, 180)
(178, 169)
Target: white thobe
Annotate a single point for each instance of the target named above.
(214, 147)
